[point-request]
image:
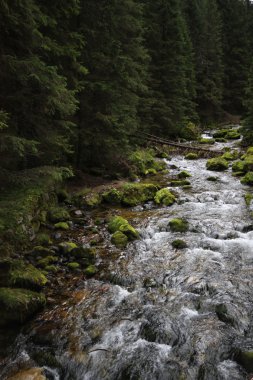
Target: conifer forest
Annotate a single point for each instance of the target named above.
(126, 190)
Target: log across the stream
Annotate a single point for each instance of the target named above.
(179, 146)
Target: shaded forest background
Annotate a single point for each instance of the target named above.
(79, 79)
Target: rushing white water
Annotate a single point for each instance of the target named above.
(170, 314)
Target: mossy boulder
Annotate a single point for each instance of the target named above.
(183, 174)
(222, 133)
(250, 151)
(43, 239)
(230, 156)
(120, 224)
(112, 196)
(62, 226)
(26, 276)
(58, 214)
(248, 198)
(137, 193)
(67, 247)
(191, 156)
(177, 183)
(92, 200)
(212, 179)
(178, 225)
(18, 305)
(84, 256)
(51, 268)
(73, 266)
(91, 270)
(248, 179)
(42, 251)
(239, 166)
(29, 374)
(179, 244)
(165, 197)
(42, 263)
(245, 359)
(206, 141)
(217, 164)
(248, 163)
(233, 134)
(119, 239)
(220, 140)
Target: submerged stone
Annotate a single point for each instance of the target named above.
(165, 197)
(119, 239)
(178, 225)
(217, 164)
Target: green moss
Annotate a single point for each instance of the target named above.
(248, 198)
(176, 183)
(42, 263)
(73, 265)
(42, 251)
(217, 164)
(119, 239)
(43, 239)
(212, 179)
(247, 179)
(191, 156)
(25, 276)
(179, 244)
(165, 197)
(137, 193)
(62, 226)
(151, 171)
(67, 247)
(58, 214)
(112, 196)
(245, 358)
(206, 141)
(183, 174)
(220, 140)
(91, 270)
(18, 305)
(222, 133)
(120, 224)
(51, 268)
(250, 151)
(248, 163)
(238, 166)
(230, 156)
(178, 225)
(92, 200)
(233, 134)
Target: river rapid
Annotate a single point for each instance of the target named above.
(158, 313)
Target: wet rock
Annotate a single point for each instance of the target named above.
(178, 225)
(29, 374)
(165, 197)
(217, 164)
(119, 239)
(223, 313)
(247, 179)
(18, 305)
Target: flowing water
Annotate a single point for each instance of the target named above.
(161, 313)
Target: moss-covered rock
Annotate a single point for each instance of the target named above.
(67, 246)
(51, 268)
(92, 200)
(222, 133)
(191, 156)
(212, 179)
(179, 244)
(62, 226)
(239, 166)
(248, 163)
(206, 141)
(42, 263)
(73, 266)
(112, 196)
(120, 224)
(42, 251)
(217, 164)
(18, 305)
(250, 151)
(184, 174)
(220, 140)
(29, 374)
(137, 193)
(26, 276)
(165, 197)
(247, 179)
(119, 239)
(233, 134)
(178, 225)
(245, 359)
(91, 270)
(43, 239)
(177, 183)
(58, 214)
(248, 198)
(63, 195)
(230, 156)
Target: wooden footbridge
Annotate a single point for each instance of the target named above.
(180, 147)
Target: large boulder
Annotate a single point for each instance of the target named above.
(137, 193)
(217, 164)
